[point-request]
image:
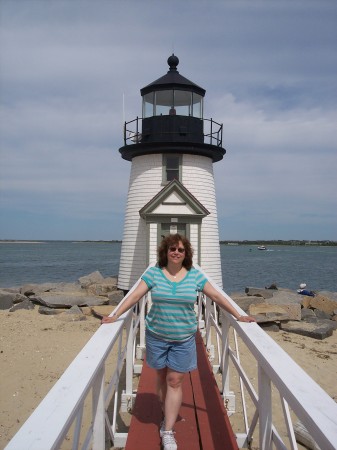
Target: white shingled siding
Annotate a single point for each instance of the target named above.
(194, 239)
(153, 242)
(198, 178)
(145, 183)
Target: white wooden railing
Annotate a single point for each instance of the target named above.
(81, 410)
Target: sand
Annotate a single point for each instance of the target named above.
(35, 349)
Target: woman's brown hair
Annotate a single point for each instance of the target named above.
(173, 240)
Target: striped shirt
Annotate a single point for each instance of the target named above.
(172, 315)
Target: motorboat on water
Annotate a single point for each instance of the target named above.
(261, 247)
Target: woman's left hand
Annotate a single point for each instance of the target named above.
(246, 319)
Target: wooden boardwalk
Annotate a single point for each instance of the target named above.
(203, 423)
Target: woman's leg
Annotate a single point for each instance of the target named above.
(161, 386)
(173, 399)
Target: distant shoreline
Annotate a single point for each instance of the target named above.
(222, 242)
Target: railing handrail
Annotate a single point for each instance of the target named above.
(46, 428)
(311, 404)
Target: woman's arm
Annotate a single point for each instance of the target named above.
(133, 298)
(220, 300)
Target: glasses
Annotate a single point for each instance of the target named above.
(179, 249)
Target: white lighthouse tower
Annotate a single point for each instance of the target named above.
(172, 149)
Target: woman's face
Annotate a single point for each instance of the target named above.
(176, 253)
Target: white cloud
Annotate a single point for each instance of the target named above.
(269, 71)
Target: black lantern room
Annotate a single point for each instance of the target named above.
(172, 120)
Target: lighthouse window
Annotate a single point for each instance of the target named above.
(171, 168)
(183, 103)
(148, 101)
(164, 102)
(197, 106)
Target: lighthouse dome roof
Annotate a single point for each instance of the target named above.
(173, 80)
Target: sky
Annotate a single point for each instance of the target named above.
(270, 73)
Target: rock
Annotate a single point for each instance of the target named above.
(323, 303)
(322, 314)
(72, 315)
(285, 297)
(35, 289)
(8, 299)
(25, 304)
(259, 292)
(276, 312)
(318, 330)
(92, 278)
(67, 300)
(305, 301)
(307, 313)
(272, 286)
(244, 301)
(50, 311)
(328, 294)
(103, 288)
(115, 297)
(100, 311)
(267, 326)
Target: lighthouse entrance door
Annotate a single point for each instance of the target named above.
(172, 228)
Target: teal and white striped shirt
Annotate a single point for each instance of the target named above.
(172, 315)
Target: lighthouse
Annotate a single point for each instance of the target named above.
(172, 149)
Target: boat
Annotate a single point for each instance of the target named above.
(261, 247)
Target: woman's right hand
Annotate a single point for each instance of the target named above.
(109, 319)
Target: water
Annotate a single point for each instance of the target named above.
(242, 265)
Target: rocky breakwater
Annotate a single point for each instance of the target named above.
(282, 309)
(90, 295)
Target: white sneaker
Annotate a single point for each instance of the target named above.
(168, 441)
(162, 428)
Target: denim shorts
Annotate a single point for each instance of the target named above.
(178, 356)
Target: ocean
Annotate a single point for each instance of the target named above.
(242, 265)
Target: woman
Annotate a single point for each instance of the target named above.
(171, 323)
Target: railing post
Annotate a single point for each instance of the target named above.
(265, 410)
(140, 350)
(228, 395)
(209, 345)
(98, 412)
(211, 131)
(128, 394)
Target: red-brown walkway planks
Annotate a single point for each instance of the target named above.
(203, 423)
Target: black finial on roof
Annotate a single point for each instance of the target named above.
(173, 61)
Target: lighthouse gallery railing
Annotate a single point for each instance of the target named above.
(212, 132)
(83, 407)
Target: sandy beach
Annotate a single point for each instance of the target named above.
(35, 350)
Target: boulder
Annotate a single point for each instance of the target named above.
(322, 314)
(72, 315)
(328, 294)
(323, 303)
(67, 300)
(8, 299)
(104, 287)
(270, 326)
(259, 292)
(115, 297)
(92, 278)
(100, 311)
(285, 297)
(307, 313)
(244, 301)
(25, 304)
(276, 312)
(34, 289)
(50, 311)
(318, 330)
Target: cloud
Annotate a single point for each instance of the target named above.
(269, 72)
